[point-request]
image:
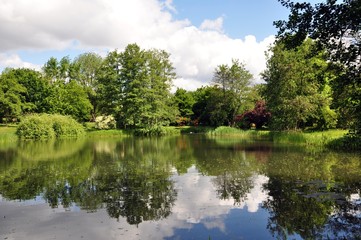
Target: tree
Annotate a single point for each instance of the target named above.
(184, 100)
(258, 116)
(110, 86)
(335, 26)
(296, 91)
(236, 80)
(214, 106)
(135, 85)
(37, 89)
(70, 99)
(87, 66)
(11, 96)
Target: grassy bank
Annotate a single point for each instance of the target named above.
(335, 139)
(7, 133)
(330, 138)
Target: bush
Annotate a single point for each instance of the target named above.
(46, 126)
(36, 127)
(150, 131)
(224, 130)
(105, 122)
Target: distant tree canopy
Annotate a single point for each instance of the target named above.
(335, 26)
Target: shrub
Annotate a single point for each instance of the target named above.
(224, 130)
(46, 126)
(65, 126)
(36, 127)
(150, 131)
(258, 117)
(105, 122)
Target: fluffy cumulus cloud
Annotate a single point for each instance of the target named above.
(95, 25)
(14, 61)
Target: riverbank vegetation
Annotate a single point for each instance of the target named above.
(48, 126)
(310, 84)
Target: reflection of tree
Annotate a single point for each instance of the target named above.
(30, 177)
(135, 184)
(308, 195)
(234, 184)
(293, 213)
(139, 198)
(345, 222)
(131, 178)
(231, 165)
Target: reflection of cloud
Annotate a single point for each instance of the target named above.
(256, 195)
(197, 202)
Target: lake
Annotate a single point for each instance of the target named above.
(178, 187)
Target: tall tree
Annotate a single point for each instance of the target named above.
(296, 91)
(11, 96)
(37, 89)
(86, 67)
(185, 101)
(214, 106)
(136, 87)
(70, 99)
(335, 26)
(110, 86)
(236, 80)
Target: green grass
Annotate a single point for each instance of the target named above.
(193, 129)
(320, 138)
(7, 134)
(239, 133)
(107, 133)
(328, 138)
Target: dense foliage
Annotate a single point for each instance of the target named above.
(135, 87)
(297, 90)
(335, 26)
(47, 126)
(259, 116)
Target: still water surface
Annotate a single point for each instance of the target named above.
(181, 187)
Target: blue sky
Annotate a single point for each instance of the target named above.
(199, 34)
(241, 17)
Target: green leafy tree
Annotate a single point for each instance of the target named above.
(86, 67)
(335, 26)
(70, 99)
(37, 89)
(214, 106)
(135, 86)
(297, 87)
(12, 100)
(110, 86)
(235, 81)
(64, 69)
(184, 100)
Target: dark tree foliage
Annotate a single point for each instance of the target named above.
(336, 26)
(214, 106)
(258, 116)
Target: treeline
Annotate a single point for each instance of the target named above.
(134, 86)
(312, 81)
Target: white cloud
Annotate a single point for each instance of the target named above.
(14, 61)
(215, 25)
(96, 25)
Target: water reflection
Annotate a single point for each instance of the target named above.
(192, 185)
